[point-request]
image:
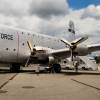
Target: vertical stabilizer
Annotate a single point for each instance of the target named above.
(71, 30)
(71, 27)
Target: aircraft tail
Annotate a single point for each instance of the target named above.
(71, 30)
(71, 27)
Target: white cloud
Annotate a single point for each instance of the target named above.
(14, 7)
(50, 17)
(92, 11)
(48, 8)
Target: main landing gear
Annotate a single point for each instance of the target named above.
(55, 68)
(15, 68)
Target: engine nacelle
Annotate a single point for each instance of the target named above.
(81, 50)
(51, 59)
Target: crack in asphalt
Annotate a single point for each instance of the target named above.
(8, 81)
(86, 84)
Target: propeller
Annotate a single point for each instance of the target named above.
(29, 45)
(73, 45)
(32, 52)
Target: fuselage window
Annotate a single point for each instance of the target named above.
(14, 49)
(22, 32)
(6, 48)
(65, 62)
(28, 33)
(23, 44)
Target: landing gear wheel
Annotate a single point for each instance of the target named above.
(57, 68)
(15, 68)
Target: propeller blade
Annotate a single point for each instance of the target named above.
(32, 50)
(66, 42)
(79, 40)
(30, 46)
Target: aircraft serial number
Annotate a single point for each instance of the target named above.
(6, 36)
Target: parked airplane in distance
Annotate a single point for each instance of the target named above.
(21, 48)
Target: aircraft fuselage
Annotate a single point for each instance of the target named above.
(14, 48)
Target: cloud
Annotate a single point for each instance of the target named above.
(44, 16)
(51, 17)
(14, 7)
(48, 8)
(92, 11)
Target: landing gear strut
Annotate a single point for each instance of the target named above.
(15, 68)
(76, 66)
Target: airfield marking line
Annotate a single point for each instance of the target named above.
(86, 84)
(8, 81)
(13, 76)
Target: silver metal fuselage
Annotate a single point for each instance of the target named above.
(14, 48)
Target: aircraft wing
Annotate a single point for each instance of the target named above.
(93, 47)
(64, 53)
(61, 53)
(42, 53)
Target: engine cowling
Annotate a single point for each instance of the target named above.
(51, 60)
(81, 50)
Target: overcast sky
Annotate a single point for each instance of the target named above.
(52, 16)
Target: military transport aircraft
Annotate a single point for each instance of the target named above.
(21, 48)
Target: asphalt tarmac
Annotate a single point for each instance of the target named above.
(67, 85)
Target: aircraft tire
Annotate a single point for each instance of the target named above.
(57, 68)
(15, 68)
